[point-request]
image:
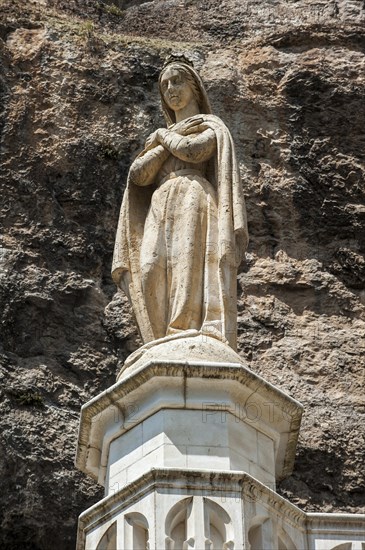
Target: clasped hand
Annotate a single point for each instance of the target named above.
(184, 128)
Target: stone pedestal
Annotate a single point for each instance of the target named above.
(189, 453)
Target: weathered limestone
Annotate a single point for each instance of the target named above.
(182, 228)
(188, 444)
(85, 115)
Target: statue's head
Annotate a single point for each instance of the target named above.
(179, 72)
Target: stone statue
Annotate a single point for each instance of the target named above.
(182, 229)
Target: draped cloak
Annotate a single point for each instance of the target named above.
(232, 235)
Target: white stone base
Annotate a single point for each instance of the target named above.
(189, 451)
(175, 509)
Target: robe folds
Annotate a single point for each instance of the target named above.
(178, 245)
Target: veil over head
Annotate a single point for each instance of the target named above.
(188, 70)
(225, 236)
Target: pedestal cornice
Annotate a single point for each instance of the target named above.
(191, 385)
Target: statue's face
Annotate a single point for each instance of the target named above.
(176, 89)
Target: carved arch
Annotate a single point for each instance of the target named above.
(198, 522)
(343, 546)
(175, 524)
(136, 531)
(109, 540)
(255, 535)
(218, 526)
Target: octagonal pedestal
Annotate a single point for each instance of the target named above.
(189, 453)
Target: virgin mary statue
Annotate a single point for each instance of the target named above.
(182, 229)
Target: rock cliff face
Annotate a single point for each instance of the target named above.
(78, 96)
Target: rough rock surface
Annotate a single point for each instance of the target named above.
(77, 97)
